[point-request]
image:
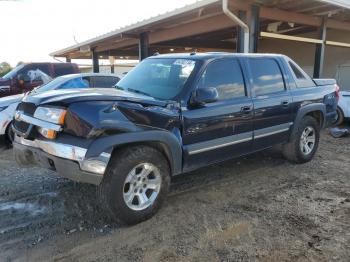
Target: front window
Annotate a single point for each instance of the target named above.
(162, 78)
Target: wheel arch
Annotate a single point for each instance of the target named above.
(164, 141)
(317, 111)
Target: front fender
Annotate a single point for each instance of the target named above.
(169, 139)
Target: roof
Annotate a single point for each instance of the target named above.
(139, 24)
(71, 76)
(127, 37)
(341, 3)
(210, 55)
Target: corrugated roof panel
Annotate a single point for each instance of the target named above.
(342, 3)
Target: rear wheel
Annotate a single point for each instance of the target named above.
(340, 117)
(135, 184)
(304, 143)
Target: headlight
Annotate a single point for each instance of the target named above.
(2, 108)
(51, 114)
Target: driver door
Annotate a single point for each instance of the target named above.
(223, 129)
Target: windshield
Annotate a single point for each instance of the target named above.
(161, 78)
(50, 85)
(13, 72)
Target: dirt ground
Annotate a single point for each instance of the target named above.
(257, 208)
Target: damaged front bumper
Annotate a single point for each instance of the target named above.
(67, 160)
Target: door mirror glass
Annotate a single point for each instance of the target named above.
(204, 96)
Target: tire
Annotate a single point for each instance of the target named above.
(10, 135)
(120, 184)
(340, 117)
(296, 151)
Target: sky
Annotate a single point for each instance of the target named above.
(31, 29)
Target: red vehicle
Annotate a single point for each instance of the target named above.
(25, 77)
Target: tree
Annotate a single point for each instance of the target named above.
(4, 68)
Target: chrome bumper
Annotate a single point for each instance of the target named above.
(74, 153)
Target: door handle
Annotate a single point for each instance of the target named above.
(246, 109)
(285, 103)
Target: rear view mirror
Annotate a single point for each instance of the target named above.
(204, 96)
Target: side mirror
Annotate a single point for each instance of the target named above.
(22, 78)
(204, 96)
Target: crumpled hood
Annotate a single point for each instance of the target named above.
(89, 94)
(6, 101)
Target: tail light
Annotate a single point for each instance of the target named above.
(337, 92)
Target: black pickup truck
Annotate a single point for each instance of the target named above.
(170, 115)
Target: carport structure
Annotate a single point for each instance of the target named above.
(306, 30)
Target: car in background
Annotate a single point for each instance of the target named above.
(343, 109)
(9, 104)
(26, 77)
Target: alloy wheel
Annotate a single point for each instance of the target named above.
(142, 186)
(307, 140)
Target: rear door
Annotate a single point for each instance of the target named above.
(272, 102)
(222, 129)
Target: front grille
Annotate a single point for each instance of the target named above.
(27, 108)
(21, 126)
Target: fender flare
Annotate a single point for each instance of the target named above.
(303, 111)
(166, 138)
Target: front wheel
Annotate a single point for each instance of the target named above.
(304, 143)
(135, 184)
(10, 135)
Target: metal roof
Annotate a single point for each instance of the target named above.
(341, 3)
(149, 21)
(306, 7)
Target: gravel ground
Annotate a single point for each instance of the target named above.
(257, 208)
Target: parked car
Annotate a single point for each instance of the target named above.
(25, 77)
(170, 115)
(8, 104)
(343, 109)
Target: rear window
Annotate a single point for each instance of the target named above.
(63, 69)
(267, 76)
(298, 74)
(105, 81)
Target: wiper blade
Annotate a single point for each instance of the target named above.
(118, 87)
(138, 92)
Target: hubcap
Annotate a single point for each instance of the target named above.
(307, 140)
(142, 186)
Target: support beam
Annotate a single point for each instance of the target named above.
(240, 33)
(320, 50)
(95, 62)
(143, 46)
(254, 29)
(291, 38)
(207, 25)
(68, 59)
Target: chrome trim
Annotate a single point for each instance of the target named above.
(59, 150)
(272, 130)
(219, 143)
(20, 116)
(94, 165)
(272, 133)
(236, 139)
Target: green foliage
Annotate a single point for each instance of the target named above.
(4, 68)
